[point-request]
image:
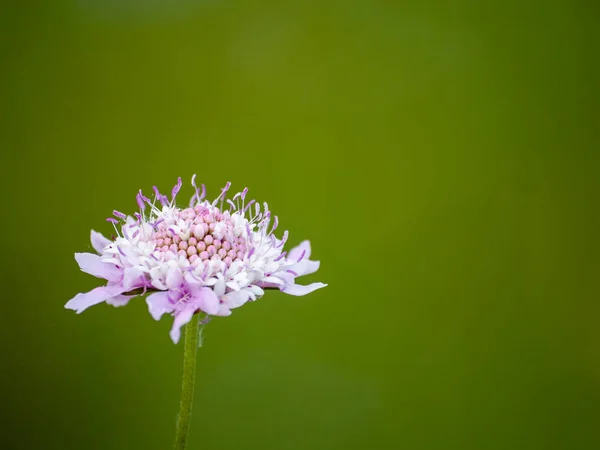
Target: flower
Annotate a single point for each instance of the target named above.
(211, 257)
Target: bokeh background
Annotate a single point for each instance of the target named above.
(442, 157)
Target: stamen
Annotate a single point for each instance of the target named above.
(275, 224)
(176, 189)
(140, 200)
(248, 206)
(283, 239)
(161, 198)
(196, 194)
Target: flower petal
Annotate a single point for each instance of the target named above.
(132, 278)
(81, 302)
(182, 318)
(224, 310)
(278, 280)
(93, 264)
(159, 304)
(305, 267)
(174, 278)
(119, 300)
(273, 280)
(236, 299)
(99, 242)
(296, 254)
(205, 299)
(298, 289)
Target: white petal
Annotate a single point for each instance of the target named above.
(297, 289)
(174, 278)
(219, 286)
(274, 280)
(233, 285)
(237, 299)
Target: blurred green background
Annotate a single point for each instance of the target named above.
(442, 157)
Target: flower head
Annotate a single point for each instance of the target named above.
(211, 257)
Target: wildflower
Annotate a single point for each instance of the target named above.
(211, 257)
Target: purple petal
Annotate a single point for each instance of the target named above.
(92, 264)
(205, 299)
(81, 302)
(298, 289)
(159, 304)
(99, 242)
(182, 318)
(295, 253)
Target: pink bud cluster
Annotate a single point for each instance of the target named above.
(202, 234)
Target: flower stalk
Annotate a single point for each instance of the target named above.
(187, 386)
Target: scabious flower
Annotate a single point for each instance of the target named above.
(211, 257)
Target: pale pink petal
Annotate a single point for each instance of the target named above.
(92, 264)
(182, 318)
(159, 304)
(99, 242)
(297, 289)
(81, 302)
(300, 252)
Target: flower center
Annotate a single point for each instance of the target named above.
(201, 233)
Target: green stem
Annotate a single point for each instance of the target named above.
(187, 385)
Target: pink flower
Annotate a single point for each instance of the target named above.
(211, 257)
